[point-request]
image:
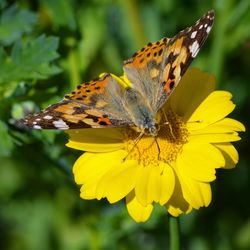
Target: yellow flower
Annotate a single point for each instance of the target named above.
(176, 168)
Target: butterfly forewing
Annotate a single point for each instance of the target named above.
(94, 104)
(157, 68)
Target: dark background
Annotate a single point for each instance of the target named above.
(49, 47)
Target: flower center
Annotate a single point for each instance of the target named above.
(150, 150)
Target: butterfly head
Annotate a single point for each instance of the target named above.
(151, 129)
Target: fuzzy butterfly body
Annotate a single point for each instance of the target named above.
(152, 73)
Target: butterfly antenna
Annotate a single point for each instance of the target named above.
(135, 143)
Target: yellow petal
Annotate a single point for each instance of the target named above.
(94, 165)
(138, 212)
(194, 87)
(215, 107)
(118, 181)
(141, 186)
(199, 160)
(225, 125)
(213, 137)
(230, 154)
(148, 186)
(197, 194)
(176, 211)
(166, 184)
(177, 204)
(88, 190)
(78, 169)
(89, 168)
(96, 139)
(220, 131)
(152, 188)
(155, 184)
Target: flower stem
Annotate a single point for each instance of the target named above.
(174, 232)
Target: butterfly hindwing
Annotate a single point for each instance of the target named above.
(94, 104)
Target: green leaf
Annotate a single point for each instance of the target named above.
(15, 22)
(6, 143)
(29, 61)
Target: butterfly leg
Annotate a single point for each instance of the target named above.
(158, 147)
(135, 143)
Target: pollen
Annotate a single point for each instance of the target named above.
(165, 147)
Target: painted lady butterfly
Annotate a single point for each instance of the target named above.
(153, 72)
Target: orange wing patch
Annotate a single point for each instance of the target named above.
(86, 91)
(151, 52)
(177, 55)
(75, 113)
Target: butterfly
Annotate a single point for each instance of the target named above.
(153, 73)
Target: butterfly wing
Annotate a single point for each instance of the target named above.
(157, 68)
(154, 71)
(95, 104)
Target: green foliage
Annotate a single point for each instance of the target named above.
(49, 47)
(6, 144)
(23, 59)
(30, 61)
(14, 23)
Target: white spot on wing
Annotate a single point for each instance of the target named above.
(48, 117)
(201, 26)
(210, 17)
(194, 48)
(60, 124)
(34, 123)
(193, 35)
(205, 25)
(37, 127)
(208, 29)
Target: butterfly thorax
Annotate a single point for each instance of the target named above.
(140, 112)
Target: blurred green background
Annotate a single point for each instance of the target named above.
(46, 49)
